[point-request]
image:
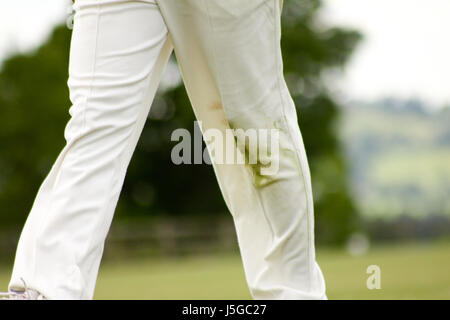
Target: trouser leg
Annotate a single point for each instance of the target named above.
(118, 52)
(230, 57)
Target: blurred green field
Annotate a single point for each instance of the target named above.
(413, 271)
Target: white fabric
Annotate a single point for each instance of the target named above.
(230, 58)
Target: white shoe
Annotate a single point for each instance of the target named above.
(27, 294)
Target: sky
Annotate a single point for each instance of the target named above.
(405, 52)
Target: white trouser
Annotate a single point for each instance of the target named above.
(230, 58)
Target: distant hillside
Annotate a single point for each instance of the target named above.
(399, 153)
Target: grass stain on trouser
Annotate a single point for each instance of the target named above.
(228, 52)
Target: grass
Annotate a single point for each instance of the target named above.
(413, 271)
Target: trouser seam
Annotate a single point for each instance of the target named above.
(91, 85)
(300, 166)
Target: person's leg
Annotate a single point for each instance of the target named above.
(230, 57)
(118, 52)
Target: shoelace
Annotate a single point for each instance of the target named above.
(12, 295)
(27, 294)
